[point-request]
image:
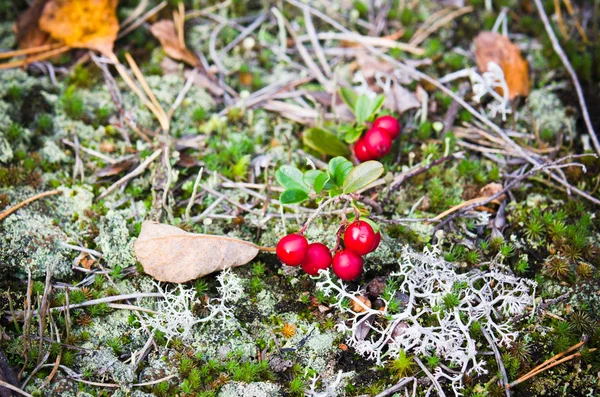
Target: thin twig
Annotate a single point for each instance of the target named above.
(14, 388)
(38, 196)
(565, 60)
(498, 359)
(140, 168)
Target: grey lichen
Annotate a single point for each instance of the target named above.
(254, 389)
(105, 365)
(29, 241)
(114, 240)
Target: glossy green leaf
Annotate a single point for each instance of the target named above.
(291, 178)
(362, 109)
(353, 134)
(349, 97)
(293, 196)
(321, 182)
(362, 175)
(338, 168)
(310, 176)
(376, 104)
(325, 142)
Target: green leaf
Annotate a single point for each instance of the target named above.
(338, 168)
(373, 225)
(376, 104)
(291, 178)
(321, 182)
(349, 97)
(293, 196)
(310, 176)
(362, 175)
(325, 142)
(362, 109)
(353, 134)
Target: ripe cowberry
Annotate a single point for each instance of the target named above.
(361, 152)
(347, 265)
(359, 237)
(317, 258)
(376, 241)
(378, 142)
(291, 249)
(389, 124)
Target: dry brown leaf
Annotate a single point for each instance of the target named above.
(88, 24)
(494, 47)
(168, 253)
(114, 169)
(165, 32)
(27, 27)
(490, 189)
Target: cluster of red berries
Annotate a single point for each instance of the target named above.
(359, 239)
(377, 142)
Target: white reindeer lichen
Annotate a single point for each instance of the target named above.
(174, 316)
(428, 325)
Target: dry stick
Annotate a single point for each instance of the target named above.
(121, 69)
(44, 307)
(207, 10)
(27, 51)
(551, 362)
(39, 57)
(368, 41)
(563, 57)
(135, 13)
(312, 33)
(142, 80)
(142, 19)
(58, 358)
(498, 360)
(418, 171)
(479, 201)
(9, 211)
(396, 387)
(188, 209)
(245, 33)
(27, 324)
(422, 76)
(14, 388)
(107, 299)
(140, 168)
(439, 23)
(436, 384)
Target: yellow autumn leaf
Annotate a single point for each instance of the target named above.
(88, 24)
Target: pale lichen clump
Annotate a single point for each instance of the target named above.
(106, 366)
(437, 316)
(549, 114)
(254, 389)
(114, 241)
(29, 242)
(174, 316)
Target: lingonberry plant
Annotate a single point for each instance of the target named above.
(356, 236)
(376, 142)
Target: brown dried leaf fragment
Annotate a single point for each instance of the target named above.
(170, 254)
(165, 32)
(27, 28)
(494, 47)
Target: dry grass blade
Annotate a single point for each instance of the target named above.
(170, 254)
(38, 196)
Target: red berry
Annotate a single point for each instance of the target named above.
(359, 237)
(347, 265)
(389, 124)
(317, 258)
(378, 142)
(291, 249)
(376, 241)
(361, 152)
